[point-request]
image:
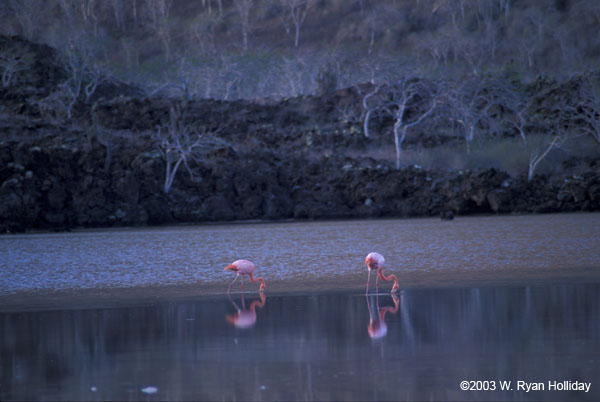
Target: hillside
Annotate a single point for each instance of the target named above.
(250, 49)
(108, 157)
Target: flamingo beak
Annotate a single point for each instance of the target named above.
(231, 267)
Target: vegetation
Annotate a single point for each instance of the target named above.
(214, 85)
(252, 49)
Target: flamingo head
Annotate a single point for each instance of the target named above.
(395, 287)
(262, 286)
(231, 267)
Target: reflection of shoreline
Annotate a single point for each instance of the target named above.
(144, 295)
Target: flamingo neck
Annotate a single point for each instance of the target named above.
(388, 278)
(261, 280)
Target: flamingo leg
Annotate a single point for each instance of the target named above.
(231, 284)
(368, 279)
(377, 284)
(242, 284)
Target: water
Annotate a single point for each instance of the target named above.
(310, 347)
(141, 314)
(289, 252)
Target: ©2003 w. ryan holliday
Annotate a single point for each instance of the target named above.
(552, 385)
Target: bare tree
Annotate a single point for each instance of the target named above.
(588, 106)
(88, 13)
(29, 14)
(179, 144)
(470, 106)
(159, 11)
(12, 61)
(409, 93)
(244, 7)
(539, 152)
(118, 13)
(84, 76)
(295, 14)
(369, 109)
(518, 106)
(203, 33)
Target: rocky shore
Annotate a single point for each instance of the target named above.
(272, 161)
(63, 186)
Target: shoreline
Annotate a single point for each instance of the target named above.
(93, 298)
(86, 229)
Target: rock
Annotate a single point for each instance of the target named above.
(447, 215)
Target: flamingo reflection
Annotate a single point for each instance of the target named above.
(377, 327)
(245, 318)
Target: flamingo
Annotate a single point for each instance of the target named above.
(376, 261)
(377, 327)
(244, 267)
(245, 318)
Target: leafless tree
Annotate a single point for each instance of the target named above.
(29, 14)
(244, 7)
(539, 152)
(409, 94)
(179, 143)
(158, 12)
(12, 61)
(587, 107)
(203, 33)
(470, 104)
(84, 76)
(369, 109)
(295, 13)
(119, 13)
(517, 104)
(88, 13)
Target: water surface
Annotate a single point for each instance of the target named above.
(291, 252)
(310, 347)
(141, 314)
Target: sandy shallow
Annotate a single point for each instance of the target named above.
(148, 295)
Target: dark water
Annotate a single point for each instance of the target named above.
(311, 346)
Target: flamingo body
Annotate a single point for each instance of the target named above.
(374, 261)
(244, 267)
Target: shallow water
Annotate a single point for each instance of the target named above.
(311, 347)
(295, 251)
(141, 314)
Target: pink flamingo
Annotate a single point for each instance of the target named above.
(377, 327)
(376, 261)
(244, 267)
(245, 318)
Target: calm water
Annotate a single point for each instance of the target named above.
(304, 341)
(311, 346)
